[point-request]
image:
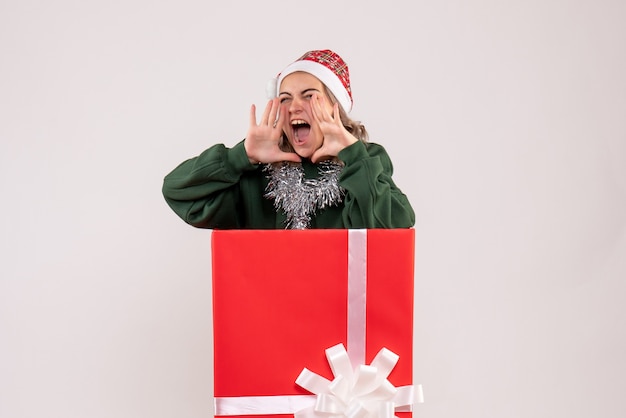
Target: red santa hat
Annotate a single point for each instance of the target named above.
(328, 67)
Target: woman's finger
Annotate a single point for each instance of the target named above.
(273, 112)
(336, 116)
(253, 115)
(318, 109)
(282, 111)
(266, 113)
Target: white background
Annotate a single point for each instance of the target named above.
(506, 122)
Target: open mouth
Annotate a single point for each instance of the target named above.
(301, 130)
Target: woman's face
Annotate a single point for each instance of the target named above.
(295, 94)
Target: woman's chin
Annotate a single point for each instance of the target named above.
(304, 154)
(306, 148)
(303, 151)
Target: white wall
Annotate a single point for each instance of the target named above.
(506, 123)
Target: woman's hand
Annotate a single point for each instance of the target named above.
(263, 139)
(336, 136)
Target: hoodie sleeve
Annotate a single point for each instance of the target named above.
(204, 190)
(372, 199)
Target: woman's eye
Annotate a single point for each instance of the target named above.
(308, 96)
(283, 100)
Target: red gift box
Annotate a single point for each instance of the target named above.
(282, 297)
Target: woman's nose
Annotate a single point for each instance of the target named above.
(296, 105)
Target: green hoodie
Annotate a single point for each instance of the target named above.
(221, 189)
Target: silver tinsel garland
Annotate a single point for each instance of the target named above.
(300, 197)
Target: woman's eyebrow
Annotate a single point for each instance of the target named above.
(305, 91)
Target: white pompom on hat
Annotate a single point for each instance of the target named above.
(328, 67)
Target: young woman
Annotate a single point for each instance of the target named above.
(305, 164)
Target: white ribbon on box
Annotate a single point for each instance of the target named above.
(358, 390)
(356, 393)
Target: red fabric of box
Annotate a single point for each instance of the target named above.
(280, 299)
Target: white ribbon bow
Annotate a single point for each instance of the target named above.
(363, 392)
